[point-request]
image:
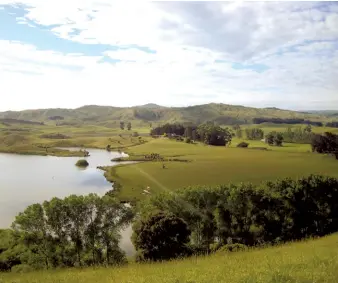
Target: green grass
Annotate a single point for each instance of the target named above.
(302, 262)
(28, 139)
(214, 165)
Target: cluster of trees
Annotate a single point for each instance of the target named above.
(254, 134)
(147, 114)
(274, 138)
(327, 143)
(291, 121)
(207, 133)
(214, 135)
(122, 125)
(274, 212)
(298, 135)
(168, 129)
(74, 231)
(332, 124)
(55, 118)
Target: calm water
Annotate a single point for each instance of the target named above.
(28, 179)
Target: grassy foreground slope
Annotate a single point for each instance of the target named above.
(303, 262)
(214, 165)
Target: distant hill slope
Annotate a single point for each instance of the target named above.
(151, 113)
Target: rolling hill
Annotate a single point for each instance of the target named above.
(110, 116)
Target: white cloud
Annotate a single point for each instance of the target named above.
(188, 39)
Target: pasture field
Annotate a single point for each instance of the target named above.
(208, 165)
(29, 139)
(302, 262)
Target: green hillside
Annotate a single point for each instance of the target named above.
(304, 262)
(151, 113)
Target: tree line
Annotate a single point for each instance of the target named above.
(207, 133)
(207, 218)
(332, 124)
(291, 121)
(69, 232)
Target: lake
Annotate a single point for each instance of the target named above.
(28, 179)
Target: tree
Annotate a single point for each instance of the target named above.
(188, 132)
(214, 135)
(10, 250)
(308, 129)
(254, 134)
(161, 237)
(121, 125)
(327, 143)
(129, 126)
(193, 135)
(278, 139)
(274, 138)
(32, 225)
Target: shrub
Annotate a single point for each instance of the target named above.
(82, 163)
(233, 248)
(188, 140)
(243, 144)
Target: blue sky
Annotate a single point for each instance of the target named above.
(68, 54)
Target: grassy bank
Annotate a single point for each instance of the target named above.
(34, 139)
(214, 165)
(303, 262)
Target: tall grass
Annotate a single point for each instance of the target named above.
(303, 262)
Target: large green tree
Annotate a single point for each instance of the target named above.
(214, 135)
(161, 237)
(75, 231)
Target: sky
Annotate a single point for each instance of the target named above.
(57, 53)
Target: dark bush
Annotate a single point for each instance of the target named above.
(161, 237)
(82, 163)
(233, 248)
(243, 144)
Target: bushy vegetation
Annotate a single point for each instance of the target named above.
(332, 124)
(243, 144)
(82, 163)
(298, 135)
(274, 138)
(327, 143)
(207, 133)
(291, 121)
(161, 237)
(75, 231)
(169, 129)
(280, 211)
(254, 134)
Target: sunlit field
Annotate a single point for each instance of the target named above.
(303, 262)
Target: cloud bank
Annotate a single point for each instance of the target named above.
(71, 53)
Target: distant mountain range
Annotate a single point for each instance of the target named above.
(110, 116)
